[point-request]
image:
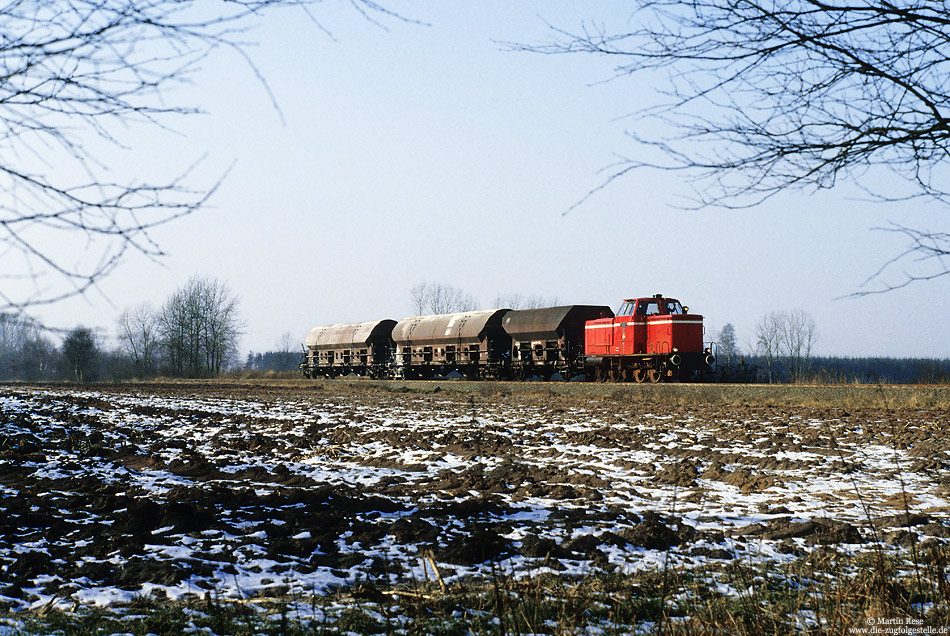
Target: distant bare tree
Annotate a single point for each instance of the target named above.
(728, 346)
(520, 301)
(768, 333)
(223, 325)
(440, 298)
(139, 337)
(200, 326)
(76, 78)
(288, 353)
(798, 338)
(760, 98)
(790, 336)
(285, 344)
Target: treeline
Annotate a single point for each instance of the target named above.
(839, 370)
(193, 334)
(28, 354)
(782, 353)
(273, 361)
(25, 351)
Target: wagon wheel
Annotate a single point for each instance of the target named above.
(639, 376)
(655, 375)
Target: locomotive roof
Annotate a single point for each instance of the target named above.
(348, 335)
(467, 327)
(654, 297)
(548, 323)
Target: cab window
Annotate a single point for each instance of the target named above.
(648, 308)
(626, 309)
(674, 307)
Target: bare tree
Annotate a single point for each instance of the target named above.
(798, 337)
(789, 336)
(285, 344)
(728, 346)
(288, 353)
(762, 97)
(768, 334)
(76, 79)
(199, 327)
(222, 325)
(520, 301)
(138, 336)
(440, 298)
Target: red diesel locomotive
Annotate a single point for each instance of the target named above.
(649, 340)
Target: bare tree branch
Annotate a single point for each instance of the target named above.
(928, 249)
(765, 97)
(76, 79)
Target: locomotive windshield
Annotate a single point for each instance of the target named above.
(651, 307)
(648, 308)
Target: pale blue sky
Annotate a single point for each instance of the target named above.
(430, 153)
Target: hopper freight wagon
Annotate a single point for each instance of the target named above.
(473, 344)
(364, 348)
(650, 339)
(549, 342)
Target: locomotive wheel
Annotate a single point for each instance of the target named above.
(639, 375)
(601, 374)
(655, 375)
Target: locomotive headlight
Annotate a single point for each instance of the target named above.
(675, 349)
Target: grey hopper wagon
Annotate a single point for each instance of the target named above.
(363, 348)
(471, 343)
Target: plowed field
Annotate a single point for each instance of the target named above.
(184, 490)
